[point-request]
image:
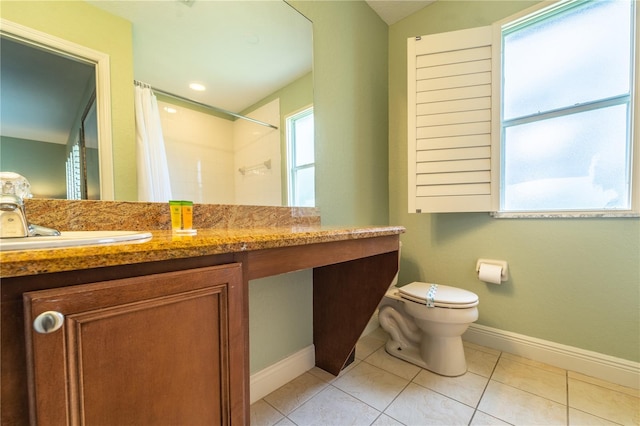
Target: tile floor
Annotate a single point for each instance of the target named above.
(499, 389)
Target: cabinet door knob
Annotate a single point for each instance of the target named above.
(48, 322)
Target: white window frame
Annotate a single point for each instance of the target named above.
(291, 168)
(442, 171)
(497, 142)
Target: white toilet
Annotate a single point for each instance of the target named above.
(426, 322)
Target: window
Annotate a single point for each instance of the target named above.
(566, 109)
(532, 116)
(301, 159)
(73, 167)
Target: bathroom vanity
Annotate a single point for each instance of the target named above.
(167, 320)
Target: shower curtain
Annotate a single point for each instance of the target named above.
(153, 170)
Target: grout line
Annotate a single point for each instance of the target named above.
(270, 405)
(566, 383)
(485, 388)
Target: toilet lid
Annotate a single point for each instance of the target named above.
(437, 295)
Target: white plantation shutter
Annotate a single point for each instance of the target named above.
(449, 119)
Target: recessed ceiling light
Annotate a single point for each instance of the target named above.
(197, 86)
(170, 110)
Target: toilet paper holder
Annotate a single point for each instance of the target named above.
(504, 275)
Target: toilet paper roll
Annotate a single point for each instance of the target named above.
(490, 273)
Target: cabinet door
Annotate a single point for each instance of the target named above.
(148, 350)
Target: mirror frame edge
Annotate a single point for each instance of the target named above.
(103, 91)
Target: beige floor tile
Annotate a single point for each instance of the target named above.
(262, 414)
(328, 377)
(385, 420)
(322, 375)
(580, 418)
(602, 402)
(367, 345)
(518, 407)
(483, 419)
(379, 334)
(295, 393)
(533, 363)
(382, 359)
(371, 385)
(334, 407)
(480, 361)
(467, 388)
(604, 384)
(541, 382)
(521, 391)
(417, 405)
(480, 347)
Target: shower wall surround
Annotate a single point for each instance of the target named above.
(205, 154)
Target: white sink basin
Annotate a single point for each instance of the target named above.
(73, 239)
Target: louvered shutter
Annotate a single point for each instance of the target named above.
(449, 119)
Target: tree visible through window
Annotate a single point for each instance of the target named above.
(301, 159)
(567, 96)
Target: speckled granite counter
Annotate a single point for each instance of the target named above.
(89, 215)
(165, 245)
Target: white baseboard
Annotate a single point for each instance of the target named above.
(605, 367)
(271, 378)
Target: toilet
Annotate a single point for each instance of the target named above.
(425, 322)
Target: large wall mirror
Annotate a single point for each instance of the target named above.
(254, 57)
(55, 114)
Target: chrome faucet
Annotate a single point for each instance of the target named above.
(13, 219)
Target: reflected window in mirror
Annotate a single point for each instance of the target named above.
(301, 159)
(83, 180)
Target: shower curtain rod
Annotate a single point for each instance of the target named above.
(211, 107)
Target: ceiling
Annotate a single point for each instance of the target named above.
(241, 51)
(392, 11)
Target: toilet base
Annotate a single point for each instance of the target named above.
(452, 365)
(429, 339)
(410, 354)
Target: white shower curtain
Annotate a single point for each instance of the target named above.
(153, 170)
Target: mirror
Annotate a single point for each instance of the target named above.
(220, 49)
(55, 114)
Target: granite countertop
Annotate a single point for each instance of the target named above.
(166, 245)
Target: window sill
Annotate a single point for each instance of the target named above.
(564, 215)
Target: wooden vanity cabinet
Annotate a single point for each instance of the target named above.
(167, 342)
(153, 349)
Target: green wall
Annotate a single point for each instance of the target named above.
(350, 107)
(81, 23)
(573, 281)
(46, 172)
(350, 111)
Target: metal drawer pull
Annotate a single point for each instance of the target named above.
(48, 322)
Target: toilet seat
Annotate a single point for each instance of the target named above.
(440, 296)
